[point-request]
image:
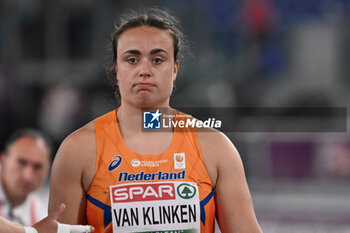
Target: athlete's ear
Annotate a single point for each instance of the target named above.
(176, 68)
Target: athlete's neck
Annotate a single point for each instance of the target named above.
(139, 141)
(130, 117)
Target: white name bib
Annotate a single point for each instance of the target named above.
(168, 207)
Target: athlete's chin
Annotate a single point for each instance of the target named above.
(146, 103)
(145, 100)
(150, 103)
(144, 94)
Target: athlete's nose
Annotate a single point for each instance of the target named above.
(145, 69)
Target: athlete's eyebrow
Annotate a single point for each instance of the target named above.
(155, 51)
(133, 51)
(137, 52)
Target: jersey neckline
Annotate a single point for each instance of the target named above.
(129, 150)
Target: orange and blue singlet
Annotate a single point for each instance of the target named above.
(132, 192)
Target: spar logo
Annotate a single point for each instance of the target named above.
(143, 192)
(116, 161)
(186, 191)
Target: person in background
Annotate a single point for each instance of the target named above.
(24, 167)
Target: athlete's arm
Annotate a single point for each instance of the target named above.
(235, 212)
(72, 170)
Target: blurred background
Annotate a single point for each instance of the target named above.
(247, 53)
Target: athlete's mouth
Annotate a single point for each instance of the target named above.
(144, 85)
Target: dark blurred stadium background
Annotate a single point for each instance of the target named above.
(255, 53)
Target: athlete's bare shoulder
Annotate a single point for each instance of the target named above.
(234, 205)
(215, 147)
(213, 136)
(78, 150)
(83, 136)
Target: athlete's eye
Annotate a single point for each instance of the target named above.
(131, 60)
(157, 60)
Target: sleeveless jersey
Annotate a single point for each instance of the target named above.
(134, 192)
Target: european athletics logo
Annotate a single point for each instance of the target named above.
(151, 120)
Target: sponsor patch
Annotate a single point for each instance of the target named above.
(143, 192)
(171, 206)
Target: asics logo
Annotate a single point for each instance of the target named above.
(116, 161)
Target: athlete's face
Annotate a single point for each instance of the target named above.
(145, 66)
(25, 166)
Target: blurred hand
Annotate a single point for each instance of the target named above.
(50, 224)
